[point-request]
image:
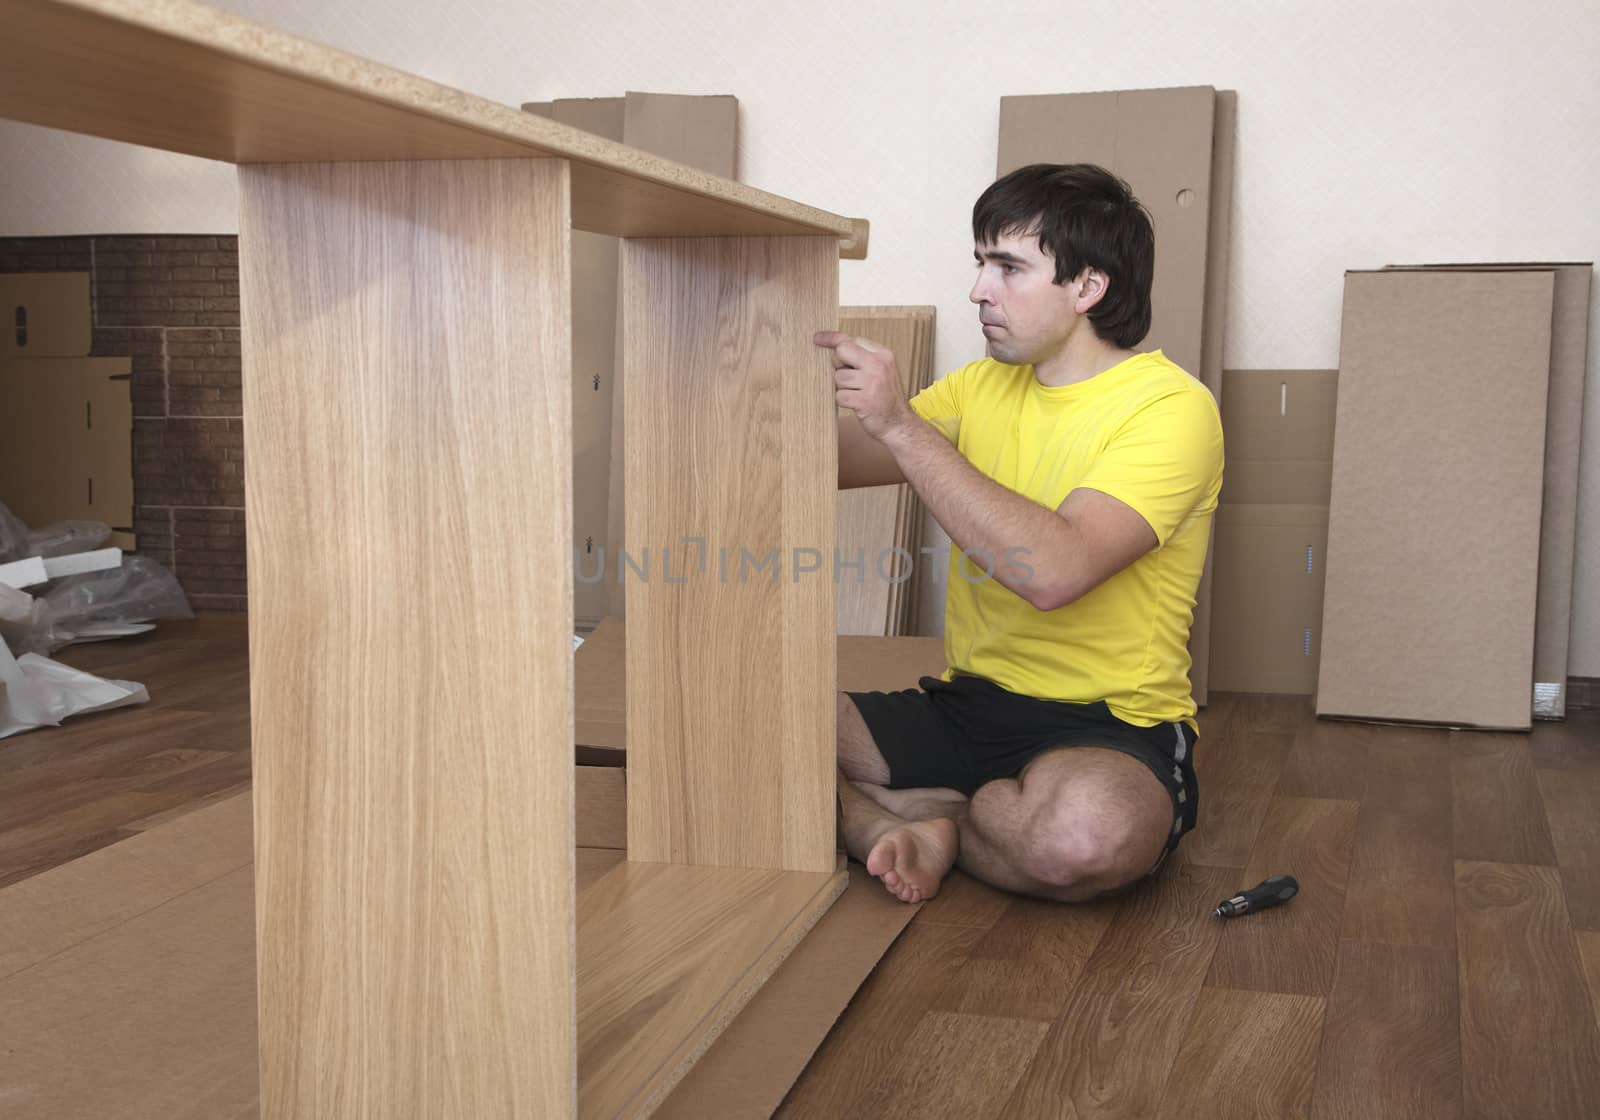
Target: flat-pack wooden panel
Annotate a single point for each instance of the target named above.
(731, 460)
(188, 78)
(411, 676)
(874, 521)
(1165, 144)
(1438, 469)
(667, 956)
(1563, 439)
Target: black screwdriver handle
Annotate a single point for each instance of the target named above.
(1264, 895)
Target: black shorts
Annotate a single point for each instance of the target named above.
(960, 734)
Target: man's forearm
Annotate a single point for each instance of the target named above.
(1027, 545)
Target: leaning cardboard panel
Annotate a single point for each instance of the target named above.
(1433, 527)
(1279, 430)
(66, 440)
(1223, 145)
(44, 315)
(1272, 530)
(1163, 143)
(1267, 605)
(1563, 439)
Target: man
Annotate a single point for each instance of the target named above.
(1076, 479)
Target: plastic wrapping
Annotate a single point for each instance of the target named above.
(13, 537)
(141, 590)
(63, 538)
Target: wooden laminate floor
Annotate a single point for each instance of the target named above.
(1442, 959)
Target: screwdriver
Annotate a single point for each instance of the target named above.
(1268, 893)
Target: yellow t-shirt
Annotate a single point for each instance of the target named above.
(1147, 434)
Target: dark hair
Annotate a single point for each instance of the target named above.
(1085, 217)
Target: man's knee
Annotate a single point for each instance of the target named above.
(1080, 850)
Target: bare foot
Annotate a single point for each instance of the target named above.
(917, 804)
(912, 859)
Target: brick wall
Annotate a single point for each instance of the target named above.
(173, 304)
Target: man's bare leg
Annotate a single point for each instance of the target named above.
(1074, 824)
(910, 857)
(909, 852)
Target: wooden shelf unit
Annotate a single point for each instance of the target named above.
(405, 254)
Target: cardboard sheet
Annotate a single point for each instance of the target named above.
(1272, 530)
(1267, 618)
(66, 440)
(1563, 438)
(44, 315)
(1433, 528)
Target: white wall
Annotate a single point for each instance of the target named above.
(1368, 134)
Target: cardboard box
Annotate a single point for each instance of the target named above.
(1438, 477)
(44, 315)
(1563, 437)
(66, 440)
(1267, 606)
(1272, 530)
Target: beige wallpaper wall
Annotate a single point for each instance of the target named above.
(1368, 133)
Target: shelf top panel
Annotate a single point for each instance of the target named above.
(186, 78)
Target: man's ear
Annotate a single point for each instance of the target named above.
(1093, 285)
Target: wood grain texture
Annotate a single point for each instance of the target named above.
(1111, 1048)
(1029, 960)
(1573, 743)
(135, 1059)
(1328, 760)
(1529, 1043)
(1250, 1054)
(407, 363)
(667, 956)
(965, 901)
(602, 807)
(1497, 805)
(591, 864)
(1588, 942)
(730, 439)
(863, 1044)
(1390, 1045)
(1292, 948)
(1572, 808)
(1236, 786)
(1402, 877)
(785, 1022)
(954, 1065)
(187, 78)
